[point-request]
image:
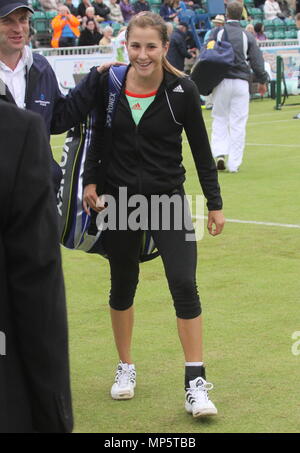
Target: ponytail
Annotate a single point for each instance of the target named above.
(170, 68)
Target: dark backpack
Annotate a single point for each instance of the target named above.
(215, 60)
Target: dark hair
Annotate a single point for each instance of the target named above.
(148, 19)
(234, 10)
(258, 27)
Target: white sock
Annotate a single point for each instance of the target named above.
(130, 366)
(194, 363)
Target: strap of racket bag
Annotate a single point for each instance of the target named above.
(77, 229)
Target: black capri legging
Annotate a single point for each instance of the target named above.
(179, 259)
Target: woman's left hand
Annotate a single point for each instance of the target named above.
(216, 222)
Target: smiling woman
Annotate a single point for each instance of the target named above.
(145, 51)
(156, 103)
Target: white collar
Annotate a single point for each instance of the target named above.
(26, 60)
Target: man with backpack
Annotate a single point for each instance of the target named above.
(231, 96)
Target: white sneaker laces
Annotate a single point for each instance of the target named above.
(124, 376)
(201, 389)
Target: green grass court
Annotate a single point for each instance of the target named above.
(249, 286)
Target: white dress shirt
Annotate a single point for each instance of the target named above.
(15, 79)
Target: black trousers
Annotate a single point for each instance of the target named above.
(179, 258)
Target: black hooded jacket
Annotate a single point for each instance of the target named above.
(147, 158)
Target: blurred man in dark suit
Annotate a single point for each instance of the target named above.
(35, 391)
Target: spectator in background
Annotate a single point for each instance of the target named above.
(190, 4)
(297, 6)
(82, 7)
(50, 5)
(167, 11)
(272, 10)
(141, 5)
(259, 4)
(115, 12)
(107, 36)
(120, 42)
(127, 10)
(218, 21)
(285, 8)
(259, 31)
(65, 28)
(244, 12)
(297, 18)
(170, 28)
(101, 10)
(178, 48)
(178, 5)
(250, 29)
(90, 36)
(89, 15)
(121, 38)
(72, 8)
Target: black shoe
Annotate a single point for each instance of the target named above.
(221, 163)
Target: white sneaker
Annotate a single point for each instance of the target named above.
(123, 388)
(197, 401)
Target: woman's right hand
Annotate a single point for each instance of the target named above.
(91, 199)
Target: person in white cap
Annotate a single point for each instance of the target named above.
(218, 21)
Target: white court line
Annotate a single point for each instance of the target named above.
(281, 112)
(250, 123)
(251, 222)
(254, 222)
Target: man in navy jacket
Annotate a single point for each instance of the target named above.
(28, 80)
(141, 5)
(178, 49)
